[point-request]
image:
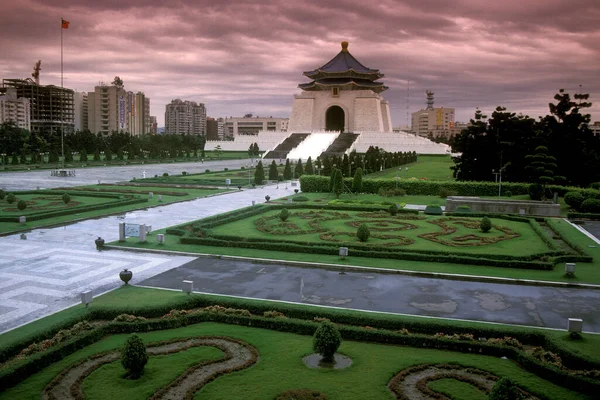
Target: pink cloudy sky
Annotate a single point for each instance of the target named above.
(247, 56)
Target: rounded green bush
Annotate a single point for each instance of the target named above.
(299, 198)
(2, 194)
(165, 174)
(66, 198)
(574, 200)
(591, 206)
(508, 193)
(393, 210)
(326, 340)
(284, 215)
(504, 389)
(21, 205)
(301, 394)
(363, 233)
(11, 198)
(485, 225)
(536, 191)
(134, 356)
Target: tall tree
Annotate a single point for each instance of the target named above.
(298, 169)
(308, 168)
(338, 182)
(569, 139)
(259, 174)
(273, 172)
(287, 171)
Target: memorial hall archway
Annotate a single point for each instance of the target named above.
(335, 119)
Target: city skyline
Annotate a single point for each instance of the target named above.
(248, 57)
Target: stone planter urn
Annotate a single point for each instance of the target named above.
(126, 275)
(99, 243)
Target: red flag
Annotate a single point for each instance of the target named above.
(65, 24)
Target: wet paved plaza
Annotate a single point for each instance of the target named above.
(503, 303)
(46, 272)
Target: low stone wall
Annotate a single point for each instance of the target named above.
(522, 207)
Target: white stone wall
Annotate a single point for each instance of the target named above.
(363, 109)
(387, 118)
(301, 119)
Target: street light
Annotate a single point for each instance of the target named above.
(498, 175)
(3, 156)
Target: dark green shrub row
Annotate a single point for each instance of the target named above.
(541, 232)
(60, 213)
(578, 215)
(508, 217)
(312, 183)
(570, 242)
(584, 200)
(305, 326)
(309, 248)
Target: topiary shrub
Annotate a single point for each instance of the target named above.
(508, 193)
(134, 357)
(363, 233)
(464, 209)
(574, 200)
(591, 206)
(504, 389)
(66, 198)
(433, 209)
(326, 340)
(165, 174)
(445, 192)
(485, 225)
(2, 194)
(284, 215)
(11, 198)
(301, 394)
(536, 191)
(267, 198)
(595, 185)
(21, 205)
(393, 210)
(300, 198)
(184, 173)
(207, 170)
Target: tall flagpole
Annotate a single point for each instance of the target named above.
(62, 102)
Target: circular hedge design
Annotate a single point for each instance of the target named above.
(238, 355)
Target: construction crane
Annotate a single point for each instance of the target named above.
(36, 72)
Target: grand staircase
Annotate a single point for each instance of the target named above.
(287, 145)
(340, 144)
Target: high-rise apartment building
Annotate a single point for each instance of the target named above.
(51, 107)
(111, 108)
(15, 109)
(80, 121)
(435, 121)
(214, 128)
(185, 117)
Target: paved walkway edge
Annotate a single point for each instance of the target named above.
(357, 268)
(363, 311)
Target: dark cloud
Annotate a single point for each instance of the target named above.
(248, 56)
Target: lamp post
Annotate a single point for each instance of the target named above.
(102, 156)
(125, 155)
(498, 176)
(3, 156)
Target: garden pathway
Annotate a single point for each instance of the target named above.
(47, 272)
(539, 306)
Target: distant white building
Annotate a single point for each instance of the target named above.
(15, 109)
(249, 125)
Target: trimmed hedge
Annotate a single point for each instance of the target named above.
(313, 183)
(300, 321)
(578, 215)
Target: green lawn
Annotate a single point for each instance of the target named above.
(384, 231)
(279, 368)
(183, 194)
(431, 167)
(586, 272)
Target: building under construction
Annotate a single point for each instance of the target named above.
(52, 107)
